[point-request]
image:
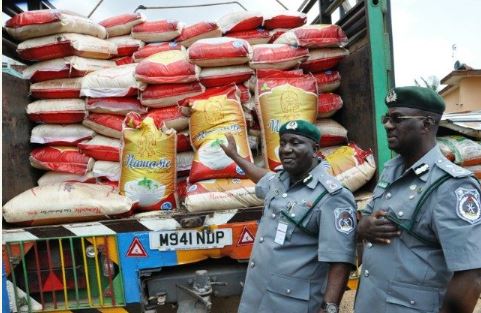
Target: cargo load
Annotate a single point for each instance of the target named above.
(63, 88)
(226, 75)
(122, 24)
(112, 82)
(65, 45)
(327, 81)
(175, 117)
(61, 159)
(57, 111)
(221, 194)
(108, 170)
(115, 105)
(240, 21)
(39, 23)
(154, 48)
(314, 36)
(460, 150)
(285, 19)
(277, 56)
(126, 45)
(60, 135)
(68, 67)
(282, 97)
(253, 37)
(165, 95)
(101, 148)
(156, 31)
(109, 125)
(214, 113)
(328, 104)
(201, 30)
(65, 203)
(332, 133)
(148, 162)
(323, 59)
(215, 52)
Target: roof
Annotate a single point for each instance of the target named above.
(454, 77)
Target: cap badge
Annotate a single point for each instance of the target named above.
(292, 125)
(391, 96)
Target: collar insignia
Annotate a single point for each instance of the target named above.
(421, 169)
(391, 96)
(307, 179)
(292, 125)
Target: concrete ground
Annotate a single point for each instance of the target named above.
(229, 305)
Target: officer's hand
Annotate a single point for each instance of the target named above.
(231, 149)
(376, 229)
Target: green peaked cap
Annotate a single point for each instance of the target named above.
(414, 97)
(301, 128)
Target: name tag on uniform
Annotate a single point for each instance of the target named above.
(281, 233)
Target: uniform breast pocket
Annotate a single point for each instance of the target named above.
(408, 298)
(286, 295)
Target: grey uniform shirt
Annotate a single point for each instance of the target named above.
(412, 272)
(288, 265)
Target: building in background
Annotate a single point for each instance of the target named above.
(463, 90)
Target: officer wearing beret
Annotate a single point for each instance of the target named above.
(422, 229)
(305, 243)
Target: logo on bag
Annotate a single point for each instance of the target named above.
(468, 207)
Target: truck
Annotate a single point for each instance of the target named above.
(121, 265)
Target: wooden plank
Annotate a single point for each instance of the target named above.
(17, 175)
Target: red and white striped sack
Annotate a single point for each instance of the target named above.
(253, 37)
(107, 170)
(202, 30)
(222, 76)
(284, 19)
(277, 56)
(68, 67)
(153, 48)
(166, 68)
(240, 21)
(328, 104)
(57, 111)
(112, 82)
(101, 148)
(327, 81)
(39, 23)
(105, 124)
(155, 31)
(183, 141)
(52, 177)
(276, 33)
(332, 133)
(124, 60)
(64, 45)
(175, 117)
(60, 135)
(224, 51)
(63, 88)
(122, 24)
(126, 45)
(61, 159)
(314, 36)
(323, 59)
(115, 105)
(157, 96)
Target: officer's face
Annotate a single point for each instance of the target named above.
(296, 153)
(403, 133)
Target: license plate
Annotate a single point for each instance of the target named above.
(190, 239)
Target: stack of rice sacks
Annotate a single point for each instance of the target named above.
(463, 151)
(66, 48)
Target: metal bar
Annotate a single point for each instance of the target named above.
(12, 271)
(282, 5)
(74, 267)
(50, 271)
(97, 271)
(306, 6)
(120, 269)
(95, 8)
(64, 279)
(89, 296)
(141, 7)
(33, 5)
(39, 276)
(109, 272)
(333, 6)
(48, 5)
(10, 8)
(25, 277)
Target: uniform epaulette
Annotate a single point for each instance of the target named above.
(452, 169)
(331, 184)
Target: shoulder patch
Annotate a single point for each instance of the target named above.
(452, 169)
(331, 184)
(468, 205)
(344, 220)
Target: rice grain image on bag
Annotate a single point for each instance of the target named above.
(148, 161)
(214, 113)
(283, 96)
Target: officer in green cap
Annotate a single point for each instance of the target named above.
(422, 229)
(305, 243)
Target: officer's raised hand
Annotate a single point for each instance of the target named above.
(377, 229)
(231, 149)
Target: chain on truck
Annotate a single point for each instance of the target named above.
(178, 259)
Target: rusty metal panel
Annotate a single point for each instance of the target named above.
(17, 174)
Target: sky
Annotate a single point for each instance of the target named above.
(424, 31)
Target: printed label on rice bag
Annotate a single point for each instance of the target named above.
(149, 166)
(279, 105)
(211, 119)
